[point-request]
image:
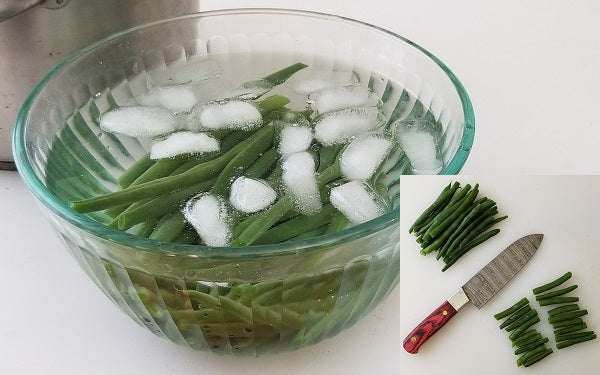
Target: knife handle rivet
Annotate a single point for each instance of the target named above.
(444, 312)
(413, 339)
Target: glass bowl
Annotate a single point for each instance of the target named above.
(255, 299)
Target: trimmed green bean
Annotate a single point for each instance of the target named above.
(570, 336)
(439, 202)
(567, 343)
(553, 284)
(517, 332)
(514, 308)
(337, 223)
(263, 164)
(569, 329)
(477, 241)
(562, 309)
(527, 337)
(486, 217)
(517, 323)
(440, 226)
(284, 74)
(135, 170)
(538, 357)
(567, 323)
(531, 345)
(558, 300)
(169, 227)
(443, 237)
(530, 354)
(514, 317)
(556, 293)
(566, 316)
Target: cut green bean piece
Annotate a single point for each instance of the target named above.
(502, 314)
(516, 324)
(576, 335)
(526, 337)
(532, 345)
(562, 309)
(530, 354)
(553, 284)
(558, 300)
(567, 343)
(556, 293)
(517, 315)
(538, 357)
(567, 323)
(519, 331)
(566, 316)
(569, 329)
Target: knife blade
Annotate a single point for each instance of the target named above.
(478, 290)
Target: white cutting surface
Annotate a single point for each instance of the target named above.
(565, 210)
(531, 70)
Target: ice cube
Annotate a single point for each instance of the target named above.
(422, 150)
(336, 98)
(139, 121)
(363, 155)
(250, 195)
(309, 81)
(183, 143)
(234, 114)
(300, 182)
(294, 138)
(356, 202)
(208, 215)
(175, 98)
(341, 126)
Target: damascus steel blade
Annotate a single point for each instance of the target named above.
(487, 282)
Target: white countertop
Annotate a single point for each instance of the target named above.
(564, 209)
(531, 70)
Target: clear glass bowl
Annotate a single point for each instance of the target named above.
(255, 299)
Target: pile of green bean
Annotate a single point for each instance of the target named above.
(455, 223)
(565, 319)
(530, 344)
(153, 192)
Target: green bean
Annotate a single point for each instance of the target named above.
(448, 210)
(567, 343)
(570, 336)
(439, 202)
(527, 337)
(187, 236)
(569, 329)
(527, 341)
(513, 321)
(242, 160)
(514, 308)
(263, 164)
(168, 184)
(282, 75)
(458, 197)
(311, 233)
(481, 227)
(337, 223)
(561, 309)
(567, 323)
(556, 293)
(477, 241)
(538, 357)
(169, 227)
(327, 155)
(456, 212)
(530, 354)
(566, 316)
(485, 218)
(296, 226)
(532, 345)
(135, 170)
(517, 332)
(557, 300)
(439, 241)
(553, 284)
(161, 205)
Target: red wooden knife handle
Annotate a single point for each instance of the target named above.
(428, 327)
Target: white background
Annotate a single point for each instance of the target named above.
(531, 70)
(565, 210)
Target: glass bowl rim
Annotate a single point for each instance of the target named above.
(173, 249)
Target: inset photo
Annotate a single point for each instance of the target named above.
(498, 274)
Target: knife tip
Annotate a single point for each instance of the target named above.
(536, 238)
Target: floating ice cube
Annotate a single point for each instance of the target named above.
(422, 150)
(355, 202)
(250, 195)
(208, 215)
(308, 81)
(300, 182)
(341, 126)
(139, 121)
(234, 114)
(294, 139)
(336, 98)
(363, 155)
(183, 143)
(175, 98)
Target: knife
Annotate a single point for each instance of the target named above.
(478, 290)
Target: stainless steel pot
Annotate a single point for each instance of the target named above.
(37, 34)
